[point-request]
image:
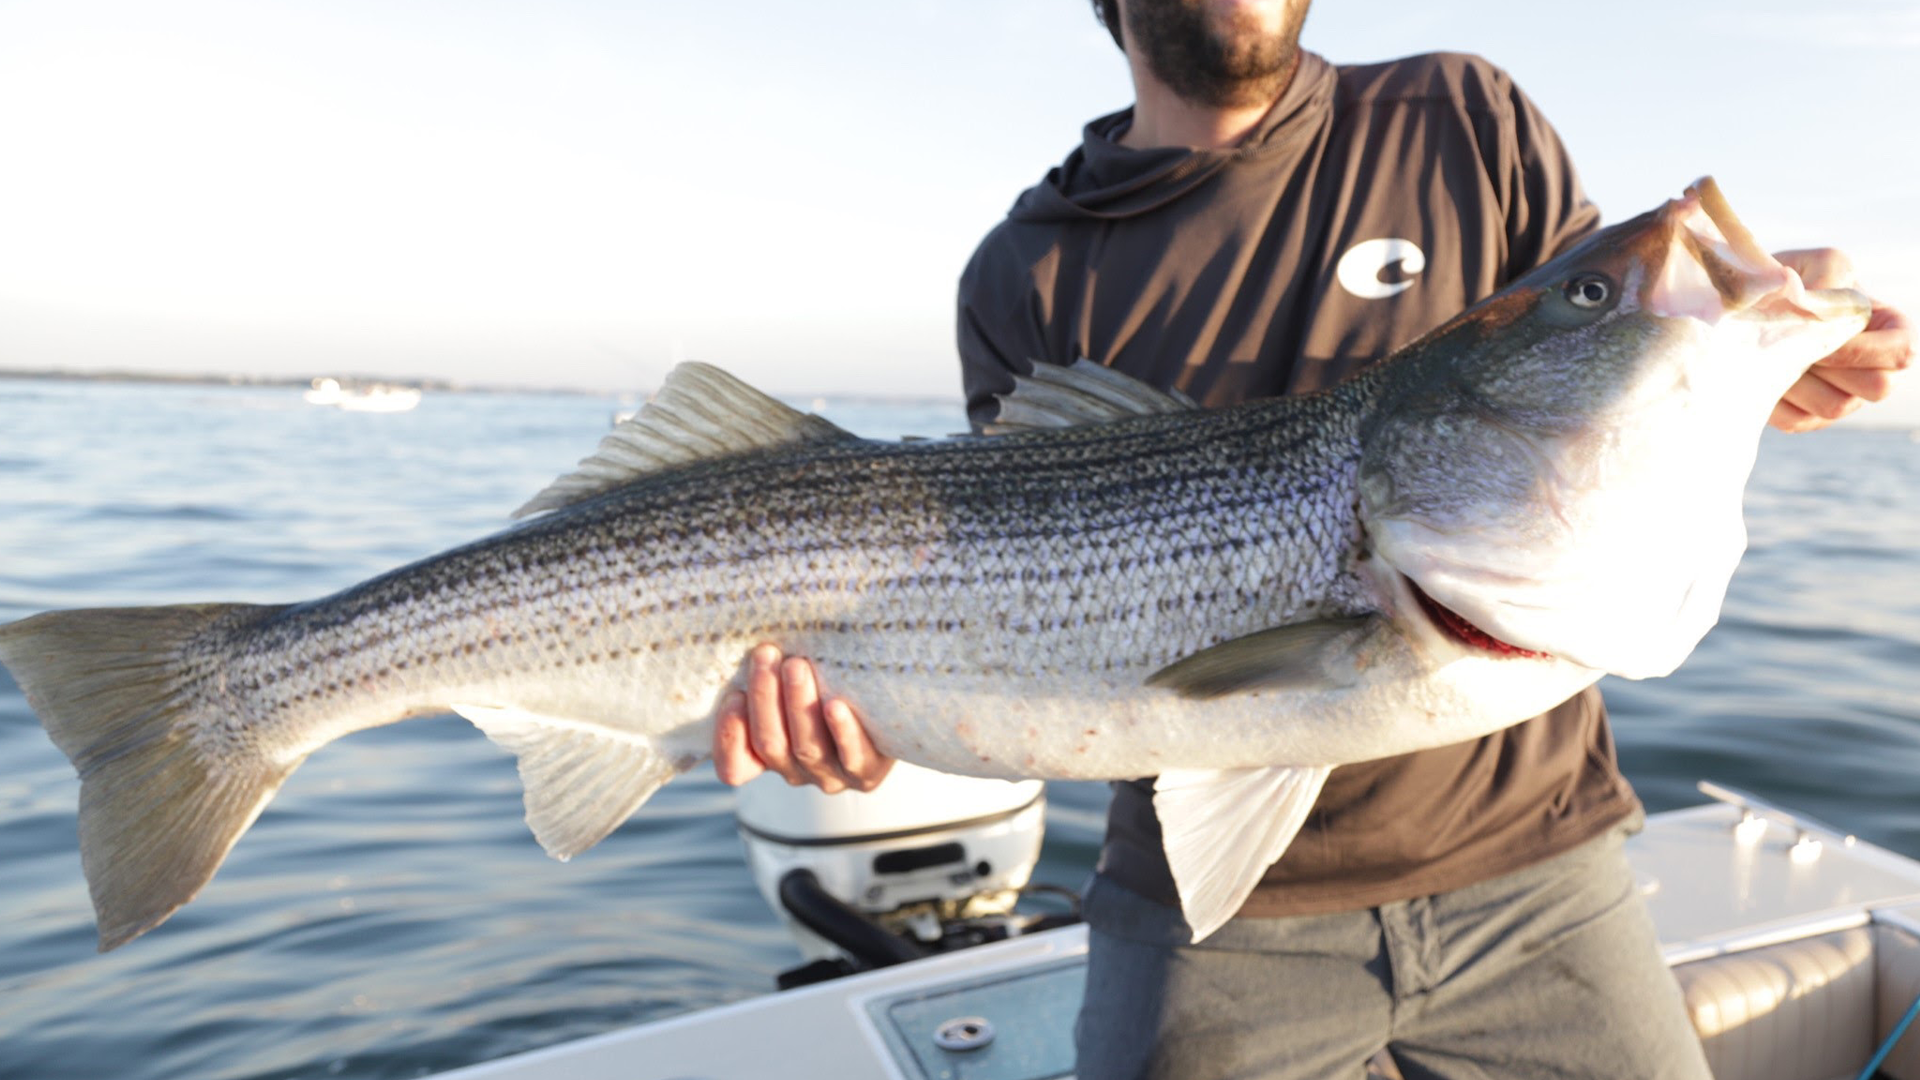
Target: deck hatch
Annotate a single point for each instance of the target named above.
(1031, 1013)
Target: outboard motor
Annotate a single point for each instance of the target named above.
(927, 863)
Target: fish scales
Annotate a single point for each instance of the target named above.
(869, 559)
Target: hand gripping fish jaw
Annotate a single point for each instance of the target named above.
(1582, 498)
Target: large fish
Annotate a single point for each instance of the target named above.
(1543, 490)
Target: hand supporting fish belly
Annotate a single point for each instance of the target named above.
(1117, 585)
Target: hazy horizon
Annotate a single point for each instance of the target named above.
(581, 194)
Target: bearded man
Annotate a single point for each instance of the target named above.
(1262, 222)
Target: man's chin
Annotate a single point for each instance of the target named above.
(1232, 57)
(1235, 86)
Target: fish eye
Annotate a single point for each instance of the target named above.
(1590, 291)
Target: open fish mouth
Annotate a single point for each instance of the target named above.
(1705, 194)
(1463, 631)
(1745, 276)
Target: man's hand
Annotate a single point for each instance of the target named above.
(1860, 371)
(781, 725)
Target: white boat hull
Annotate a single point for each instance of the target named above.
(1798, 949)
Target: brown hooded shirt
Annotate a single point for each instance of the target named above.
(1372, 203)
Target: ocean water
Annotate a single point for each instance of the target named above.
(390, 916)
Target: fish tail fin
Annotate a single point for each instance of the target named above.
(158, 810)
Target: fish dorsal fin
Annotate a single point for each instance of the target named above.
(1222, 828)
(1086, 393)
(700, 412)
(582, 779)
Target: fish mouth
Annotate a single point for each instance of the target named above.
(1456, 626)
(1744, 275)
(1707, 195)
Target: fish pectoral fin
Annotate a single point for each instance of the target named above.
(1086, 393)
(1222, 828)
(582, 779)
(700, 412)
(1322, 652)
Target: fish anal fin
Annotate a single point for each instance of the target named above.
(1222, 829)
(1323, 652)
(581, 779)
(1085, 393)
(700, 412)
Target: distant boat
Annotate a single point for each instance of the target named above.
(368, 397)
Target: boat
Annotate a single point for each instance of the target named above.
(362, 397)
(1797, 947)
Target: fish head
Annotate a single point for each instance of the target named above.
(1561, 467)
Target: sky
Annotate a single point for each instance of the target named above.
(579, 194)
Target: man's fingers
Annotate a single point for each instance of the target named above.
(1820, 400)
(1885, 345)
(1820, 268)
(1859, 371)
(781, 725)
(766, 714)
(864, 765)
(734, 761)
(1793, 420)
(814, 755)
(1867, 384)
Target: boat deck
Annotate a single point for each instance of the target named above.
(1775, 894)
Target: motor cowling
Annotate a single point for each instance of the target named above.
(938, 861)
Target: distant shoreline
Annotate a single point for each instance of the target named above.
(291, 382)
(437, 386)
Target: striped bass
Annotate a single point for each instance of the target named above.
(1115, 584)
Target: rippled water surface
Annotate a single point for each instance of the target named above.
(389, 915)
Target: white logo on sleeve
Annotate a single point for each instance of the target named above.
(1359, 269)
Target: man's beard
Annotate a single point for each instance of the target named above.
(1235, 65)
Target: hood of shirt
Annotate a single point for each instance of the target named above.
(1103, 179)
